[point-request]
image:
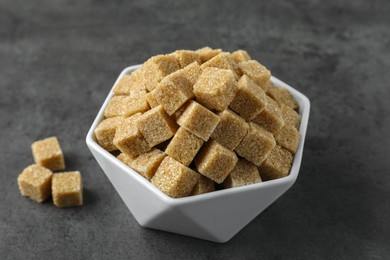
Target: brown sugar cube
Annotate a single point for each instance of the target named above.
(204, 185)
(126, 106)
(105, 132)
(128, 139)
(244, 173)
(178, 85)
(256, 145)
(192, 72)
(185, 57)
(230, 129)
(215, 161)
(184, 146)
(152, 101)
(235, 68)
(129, 84)
(157, 68)
(250, 99)
(257, 72)
(156, 126)
(174, 179)
(271, 117)
(48, 153)
(67, 189)
(277, 164)
(223, 60)
(173, 91)
(282, 96)
(267, 86)
(290, 116)
(180, 111)
(138, 93)
(206, 53)
(288, 138)
(198, 120)
(35, 182)
(126, 158)
(146, 164)
(215, 88)
(240, 56)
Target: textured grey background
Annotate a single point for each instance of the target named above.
(58, 60)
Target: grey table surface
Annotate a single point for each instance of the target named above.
(59, 59)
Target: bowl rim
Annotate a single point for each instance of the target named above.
(304, 110)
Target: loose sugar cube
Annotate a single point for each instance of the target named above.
(215, 88)
(185, 57)
(250, 99)
(271, 117)
(35, 182)
(288, 138)
(126, 158)
(256, 145)
(277, 164)
(215, 161)
(129, 84)
(290, 116)
(230, 129)
(204, 185)
(283, 97)
(240, 56)
(156, 126)
(206, 53)
(257, 72)
(146, 164)
(126, 106)
(152, 101)
(174, 179)
(67, 189)
(223, 60)
(105, 132)
(157, 68)
(184, 146)
(192, 72)
(173, 91)
(198, 120)
(128, 139)
(244, 173)
(48, 153)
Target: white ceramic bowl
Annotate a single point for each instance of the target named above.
(215, 216)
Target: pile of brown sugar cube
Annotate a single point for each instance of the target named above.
(191, 121)
(38, 182)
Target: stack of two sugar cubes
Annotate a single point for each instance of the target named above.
(38, 182)
(194, 121)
